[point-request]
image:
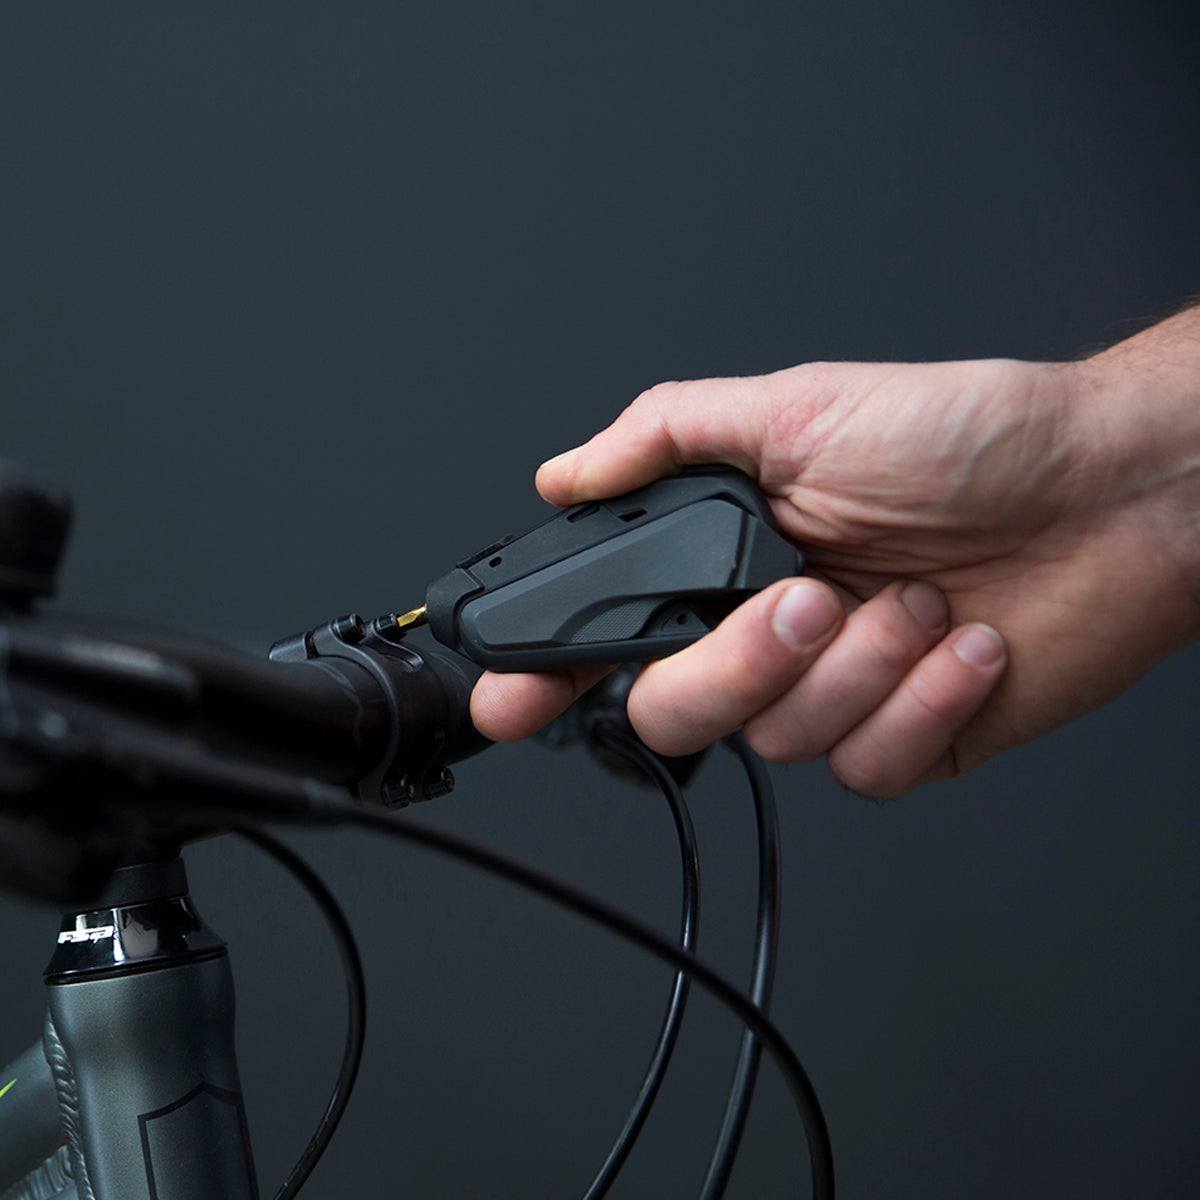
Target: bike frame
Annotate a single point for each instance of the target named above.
(133, 1093)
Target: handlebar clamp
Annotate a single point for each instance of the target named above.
(428, 698)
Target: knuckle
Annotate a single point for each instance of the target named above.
(894, 634)
(817, 375)
(660, 396)
(865, 773)
(752, 669)
(746, 677)
(778, 743)
(893, 644)
(939, 701)
(666, 727)
(659, 736)
(654, 412)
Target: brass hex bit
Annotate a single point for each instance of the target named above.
(410, 620)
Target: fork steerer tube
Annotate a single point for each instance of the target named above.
(139, 1040)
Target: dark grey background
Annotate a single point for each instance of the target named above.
(295, 297)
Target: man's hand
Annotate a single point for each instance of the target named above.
(996, 547)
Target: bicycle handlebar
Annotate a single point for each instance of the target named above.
(110, 735)
(333, 711)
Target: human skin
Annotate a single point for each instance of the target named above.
(994, 548)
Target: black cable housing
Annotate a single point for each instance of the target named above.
(637, 754)
(766, 947)
(356, 1002)
(799, 1085)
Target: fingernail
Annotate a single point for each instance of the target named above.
(803, 614)
(979, 645)
(925, 603)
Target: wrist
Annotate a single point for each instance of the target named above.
(1140, 404)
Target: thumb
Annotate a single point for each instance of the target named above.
(668, 427)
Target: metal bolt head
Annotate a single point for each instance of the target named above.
(397, 793)
(350, 629)
(441, 784)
